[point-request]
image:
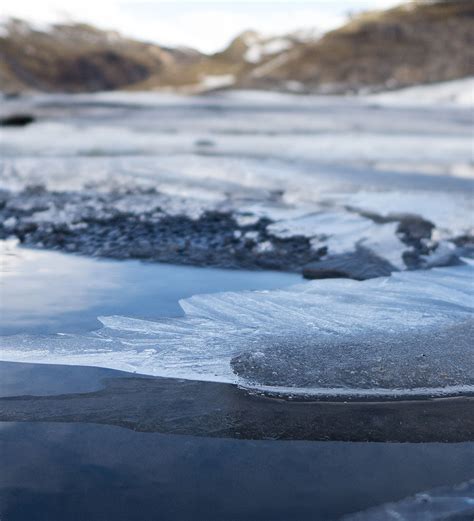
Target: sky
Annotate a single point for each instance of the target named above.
(207, 26)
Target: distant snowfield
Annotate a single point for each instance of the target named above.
(450, 93)
(457, 92)
(341, 172)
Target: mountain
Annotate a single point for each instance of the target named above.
(230, 67)
(78, 58)
(415, 43)
(418, 42)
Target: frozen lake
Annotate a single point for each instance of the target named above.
(121, 214)
(356, 187)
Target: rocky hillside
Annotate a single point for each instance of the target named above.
(78, 58)
(418, 42)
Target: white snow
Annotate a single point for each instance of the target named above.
(451, 213)
(215, 81)
(342, 231)
(456, 92)
(259, 50)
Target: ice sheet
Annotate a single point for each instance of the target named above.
(406, 334)
(433, 505)
(457, 92)
(340, 172)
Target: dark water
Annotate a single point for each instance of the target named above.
(59, 472)
(18, 379)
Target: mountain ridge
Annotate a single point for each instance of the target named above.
(414, 43)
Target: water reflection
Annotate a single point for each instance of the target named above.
(76, 472)
(49, 292)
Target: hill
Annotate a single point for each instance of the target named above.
(415, 43)
(79, 58)
(419, 42)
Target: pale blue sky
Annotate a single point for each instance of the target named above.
(207, 26)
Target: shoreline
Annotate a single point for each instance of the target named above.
(206, 409)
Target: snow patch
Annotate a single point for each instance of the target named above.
(456, 92)
(216, 81)
(260, 50)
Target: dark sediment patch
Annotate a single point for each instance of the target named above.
(17, 120)
(42, 379)
(414, 231)
(97, 225)
(221, 410)
(142, 223)
(393, 362)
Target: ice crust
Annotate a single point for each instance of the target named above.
(442, 503)
(339, 172)
(457, 92)
(313, 165)
(408, 334)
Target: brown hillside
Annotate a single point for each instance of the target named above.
(420, 42)
(78, 57)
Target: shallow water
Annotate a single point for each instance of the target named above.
(75, 472)
(51, 292)
(82, 470)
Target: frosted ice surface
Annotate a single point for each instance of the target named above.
(342, 231)
(448, 211)
(406, 334)
(443, 503)
(332, 161)
(308, 149)
(60, 139)
(457, 92)
(311, 206)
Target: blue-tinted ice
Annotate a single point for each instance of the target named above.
(443, 503)
(342, 173)
(408, 334)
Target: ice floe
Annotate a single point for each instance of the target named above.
(455, 502)
(408, 334)
(244, 172)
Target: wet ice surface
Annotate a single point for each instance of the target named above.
(349, 187)
(352, 187)
(443, 503)
(408, 334)
(239, 179)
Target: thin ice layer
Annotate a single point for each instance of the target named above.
(406, 334)
(325, 175)
(442, 503)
